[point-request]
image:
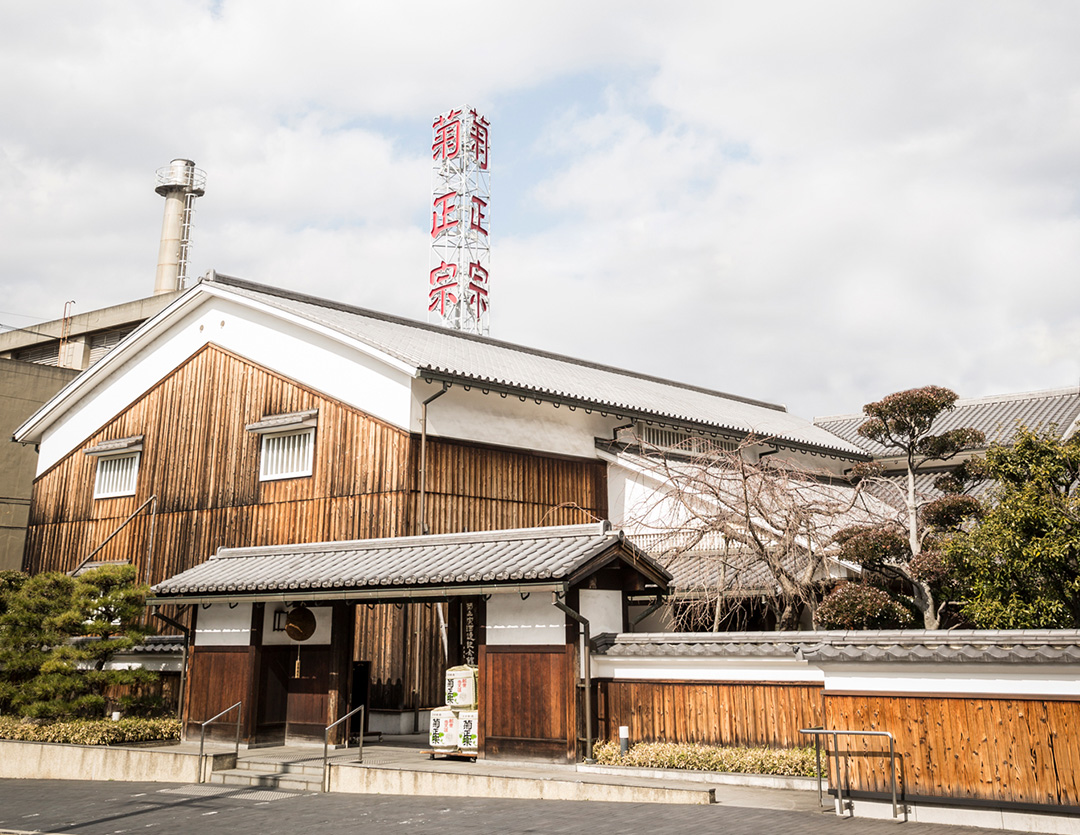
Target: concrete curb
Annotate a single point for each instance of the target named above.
(759, 781)
(357, 780)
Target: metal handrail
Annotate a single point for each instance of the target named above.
(817, 733)
(202, 735)
(326, 742)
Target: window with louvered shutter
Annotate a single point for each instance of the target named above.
(287, 454)
(116, 475)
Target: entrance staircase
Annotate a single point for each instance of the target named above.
(300, 776)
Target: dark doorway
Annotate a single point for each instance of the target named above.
(358, 694)
(274, 696)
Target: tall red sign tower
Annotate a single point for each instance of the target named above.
(459, 292)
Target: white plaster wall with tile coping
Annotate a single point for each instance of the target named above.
(705, 668)
(959, 678)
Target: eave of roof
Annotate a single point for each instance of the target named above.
(522, 560)
(437, 354)
(431, 340)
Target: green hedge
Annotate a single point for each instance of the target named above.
(796, 762)
(91, 732)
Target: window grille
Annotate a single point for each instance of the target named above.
(679, 440)
(287, 454)
(104, 341)
(117, 475)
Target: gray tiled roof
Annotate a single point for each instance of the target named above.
(482, 361)
(997, 417)
(404, 563)
(991, 646)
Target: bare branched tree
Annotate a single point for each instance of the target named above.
(739, 529)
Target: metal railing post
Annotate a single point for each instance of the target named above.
(326, 743)
(202, 736)
(842, 779)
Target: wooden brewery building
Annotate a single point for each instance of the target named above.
(247, 423)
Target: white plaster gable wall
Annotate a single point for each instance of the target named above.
(636, 501)
(508, 421)
(534, 620)
(816, 463)
(603, 609)
(217, 625)
(317, 359)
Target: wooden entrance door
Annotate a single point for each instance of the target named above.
(528, 703)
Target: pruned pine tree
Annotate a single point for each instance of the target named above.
(58, 635)
(907, 556)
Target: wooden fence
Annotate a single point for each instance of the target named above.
(978, 750)
(713, 713)
(1017, 752)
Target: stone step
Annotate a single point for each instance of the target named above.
(265, 766)
(267, 779)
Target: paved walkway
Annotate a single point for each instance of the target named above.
(107, 808)
(406, 753)
(87, 808)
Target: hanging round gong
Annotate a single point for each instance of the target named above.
(300, 624)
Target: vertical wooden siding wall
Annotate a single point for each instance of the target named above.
(1016, 751)
(712, 713)
(203, 466)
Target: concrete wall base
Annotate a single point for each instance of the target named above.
(55, 761)
(344, 778)
(397, 722)
(968, 816)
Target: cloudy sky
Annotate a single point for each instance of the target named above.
(810, 203)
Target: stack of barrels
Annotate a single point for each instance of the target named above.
(454, 726)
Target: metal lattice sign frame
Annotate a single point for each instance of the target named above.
(459, 292)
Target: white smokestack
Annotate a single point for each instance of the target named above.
(180, 182)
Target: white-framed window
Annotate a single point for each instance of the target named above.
(117, 475)
(117, 472)
(287, 454)
(286, 444)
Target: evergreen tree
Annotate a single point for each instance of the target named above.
(57, 636)
(1020, 567)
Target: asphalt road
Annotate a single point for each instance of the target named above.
(96, 808)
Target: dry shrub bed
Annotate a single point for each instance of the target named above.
(90, 732)
(796, 762)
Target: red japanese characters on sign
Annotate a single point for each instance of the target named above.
(447, 142)
(478, 139)
(459, 287)
(478, 288)
(477, 216)
(443, 284)
(441, 217)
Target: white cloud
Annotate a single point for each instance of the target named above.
(810, 203)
